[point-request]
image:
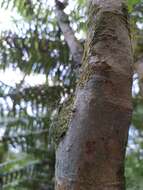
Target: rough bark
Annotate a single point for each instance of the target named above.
(91, 156)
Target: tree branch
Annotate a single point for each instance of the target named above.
(64, 24)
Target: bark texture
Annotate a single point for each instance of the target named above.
(91, 156)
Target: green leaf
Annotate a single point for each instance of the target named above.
(81, 2)
(132, 3)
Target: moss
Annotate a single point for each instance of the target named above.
(61, 120)
(86, 75)
(124, 8)
(92, 11)
(102, 27)
(125, 17)
(99, 31)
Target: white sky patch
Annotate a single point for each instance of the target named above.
(11, 77)
(135, 87)
(140, 25)
(132, 144)
(35, 79)
(6, 19)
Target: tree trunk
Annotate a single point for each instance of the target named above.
(91, 155)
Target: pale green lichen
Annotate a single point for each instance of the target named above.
(94, 30)
(61, 121)
(87, 72)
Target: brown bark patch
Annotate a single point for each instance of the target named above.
(90, 147)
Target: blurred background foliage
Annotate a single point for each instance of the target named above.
(36, 45)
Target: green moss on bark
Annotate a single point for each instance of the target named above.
(104, 31)
(61, 121)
